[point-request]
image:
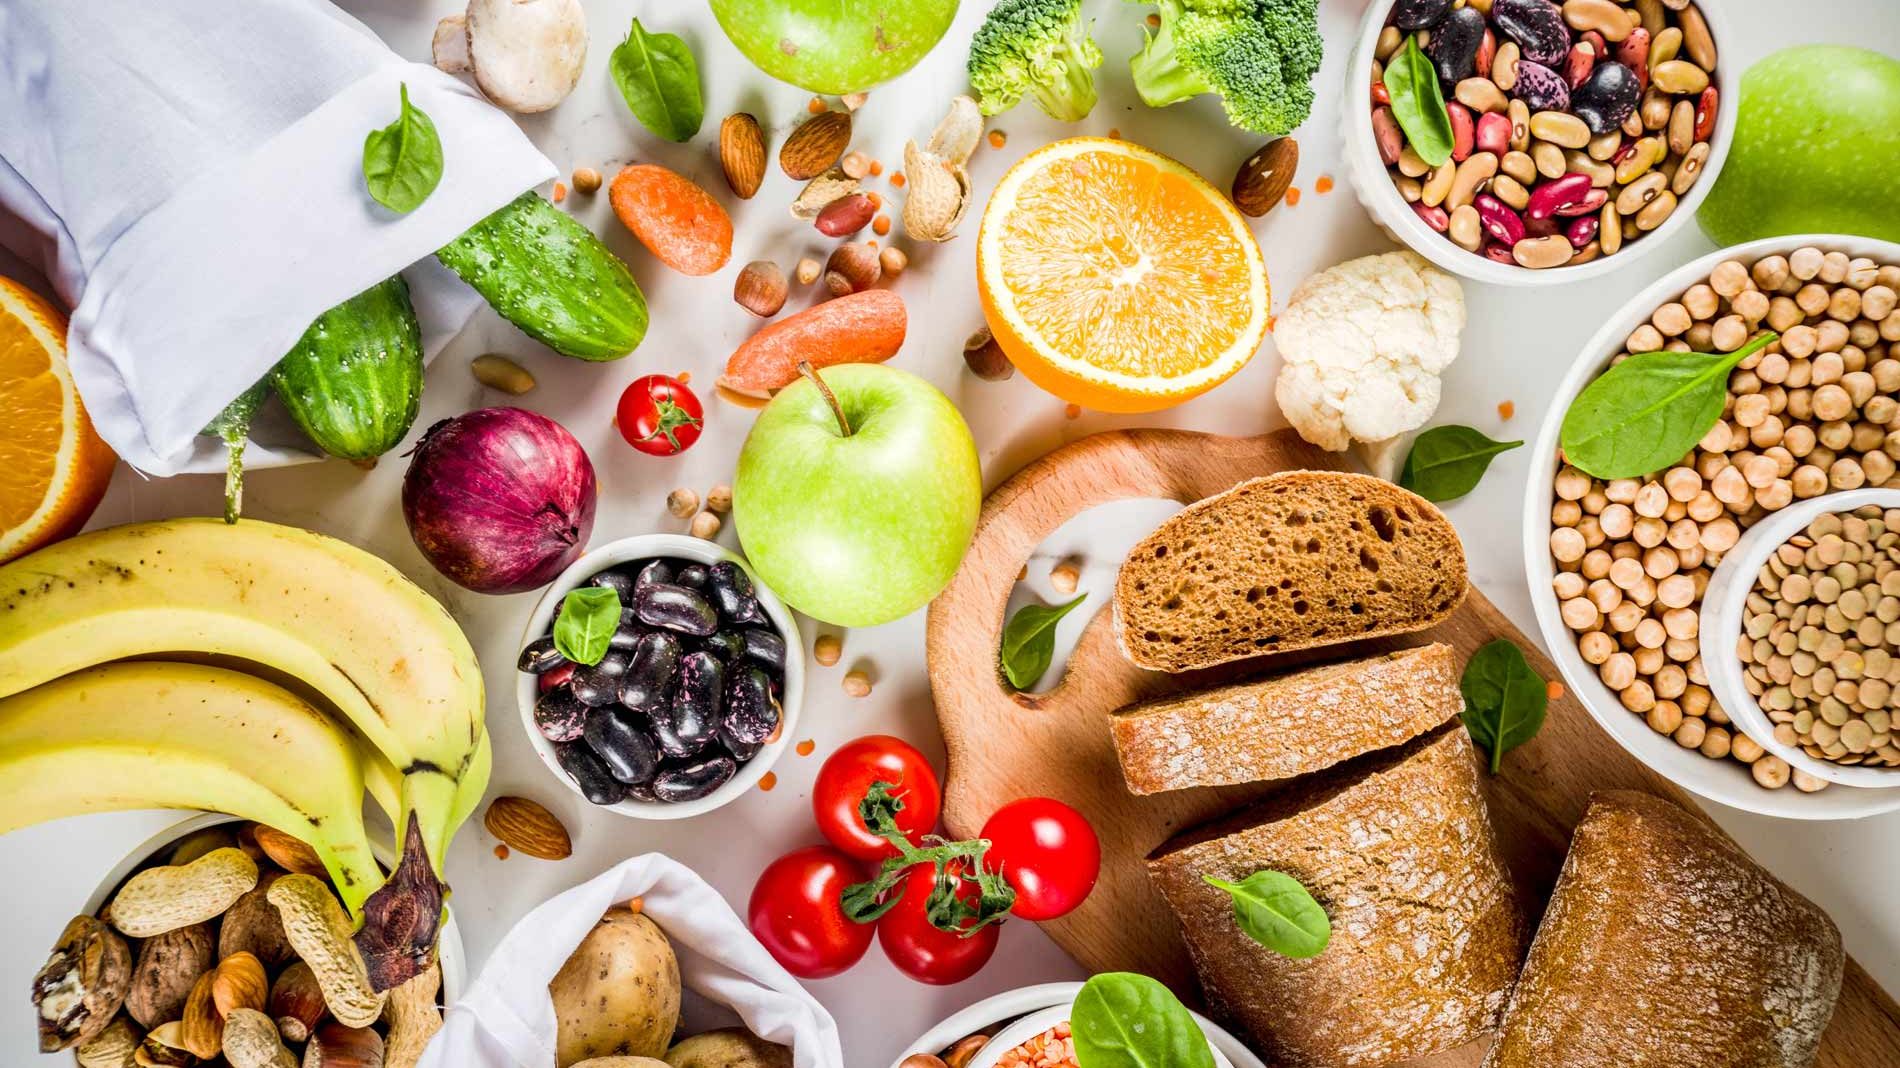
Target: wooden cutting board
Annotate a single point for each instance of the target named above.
(1004, 745)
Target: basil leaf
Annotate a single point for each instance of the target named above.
(1275, 910)
(1123, 1020)
(1412, 83)
(1505, 700)
(586, 622)
(1446, 462)
(402, 162)
(1647, 412)
(658, 77)
(1029, 641)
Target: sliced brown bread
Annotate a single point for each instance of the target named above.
(1290, 561)
(1427, 934)
(1286, 725)
(1666, 946)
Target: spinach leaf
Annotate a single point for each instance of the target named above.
(1505, 700)
(1446, 462)
(1645, 413)
(658, 77)
(1123, 1020)
(402, 162)
(586, 623)
(1412, 83)
(1275, 910)
(1029, 641)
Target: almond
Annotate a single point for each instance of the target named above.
(239, 982)
(526, 827)
(1263, 180)
(201, 1027)
(742, 154)
(290, 854)
(815, 145)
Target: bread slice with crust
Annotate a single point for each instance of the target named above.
(1291, 561)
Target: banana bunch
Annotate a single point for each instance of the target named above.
(89, 723)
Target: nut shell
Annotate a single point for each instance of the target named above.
(251, 926)
(527, 827)
(1263, 180)
(82, 985)
(817, 144)
(167, 966)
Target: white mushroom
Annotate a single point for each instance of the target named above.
(526, 55)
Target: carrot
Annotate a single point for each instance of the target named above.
(865, 327)
(679, 222)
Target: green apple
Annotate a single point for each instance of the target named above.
(1816, 149)
(861, 527)
(834, 46)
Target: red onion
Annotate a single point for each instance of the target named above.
(500, 500)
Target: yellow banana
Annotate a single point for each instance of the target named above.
(338, 619)
(146, 734)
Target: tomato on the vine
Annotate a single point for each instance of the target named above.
(1048, 853)
(923, 950)
(659, 416)
(847, 776)
(797, 912)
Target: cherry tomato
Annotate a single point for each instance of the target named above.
(1047, 851)
(797, 912)
(849, 773)
(659, 416)
(924, 951)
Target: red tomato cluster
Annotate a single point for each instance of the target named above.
(1045, 851)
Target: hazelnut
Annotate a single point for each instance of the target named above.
(760, 288)
(853, 268)
(985, 357)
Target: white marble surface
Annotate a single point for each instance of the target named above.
(1516, 346)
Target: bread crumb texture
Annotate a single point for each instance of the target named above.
(1290, 561)
(1665, 946)
(1427, 934)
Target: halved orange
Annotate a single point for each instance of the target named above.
(1117, 278)
(54, 467)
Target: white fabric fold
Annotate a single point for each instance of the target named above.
(506, 1018)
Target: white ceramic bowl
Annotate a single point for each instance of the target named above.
(679, 546)
(1042, 1007)
(1724, 605)
(448, 941)
(1724, 781)
(1373, 185)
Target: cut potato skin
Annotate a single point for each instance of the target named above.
(618, 995)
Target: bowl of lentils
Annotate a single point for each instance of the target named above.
(1756, 379)
(658, 678)
(1530, 142)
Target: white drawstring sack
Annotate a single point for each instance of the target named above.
(506, 1019)
(188, 173)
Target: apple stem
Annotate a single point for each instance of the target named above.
(805, 368)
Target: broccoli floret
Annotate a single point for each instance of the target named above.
(1259, 55)
(1038, 48)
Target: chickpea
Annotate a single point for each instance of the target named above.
(1638, 696)
(1745, 749)
(1672, 319)
(1579, 614)
(1664, 717)
(1690, 732)
(1596, 647)
(1596, 565)
(1769, 272)
(1752, 305)
(1804, 263)
(1616, 521)
(1715, 743)
(1783, 314)
(1728, 334)
(1565, 513)
(1572, 484)
(1812, 298)
(1566, 544)
(1618, 671)
(1729, 278)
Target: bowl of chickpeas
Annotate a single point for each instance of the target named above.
(1619, 569)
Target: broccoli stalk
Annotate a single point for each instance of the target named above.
(1258, 55)
(1035, 48)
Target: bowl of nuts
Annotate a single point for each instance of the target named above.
(1802, 641)
(1533, 142)
(1744, 383)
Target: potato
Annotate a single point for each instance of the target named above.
(730, 1048)
(618, 995)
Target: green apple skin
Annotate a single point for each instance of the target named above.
(859, 530)
(835, 46)
(1816, 150)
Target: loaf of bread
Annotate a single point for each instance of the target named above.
(1665, 946)
(1427, 933)
(1289, 561)
(1286, 725)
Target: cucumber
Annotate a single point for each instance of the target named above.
(550, 276)
(353, 382)
(233, 427)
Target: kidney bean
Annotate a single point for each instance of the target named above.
(1498, 220)
(1557, 193)
(651, 572)
(1493, 134)
(1487, 53)
(626, 636)
(1623, 152)
(676, 608)
(1679, 76)
(1606, 97)
(1540, 227)
(1499, 254)
(1536, 25)
(1598, 16)
(1454, 47)
(692, 576)
(590, 774)
(690, 782)
(1543, 252)
(553, 677)
(751, 714)
(1387, 135)
(1578, 64)
(599, 684)
(1434, 217)
(1634, 54)
(1409, 15)
(1380, 94)
(559, 715)
(684, 725)
(643, 792)
(727, 645)
(1705, 113)
(1582, 231)
(1591, 203)
(1540, 88)
(1463, 130)
(732, 593)
(631, 755)
(616, 580)
(656, 657)
(765, 646)
(540, 656)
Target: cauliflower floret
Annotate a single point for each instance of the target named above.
(1363, 344)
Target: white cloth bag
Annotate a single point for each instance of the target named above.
(189, 175)
(506, 1019)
